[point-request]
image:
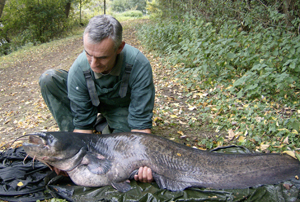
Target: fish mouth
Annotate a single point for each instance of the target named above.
(36, 140)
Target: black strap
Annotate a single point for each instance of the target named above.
(91, 87)
(125, 81)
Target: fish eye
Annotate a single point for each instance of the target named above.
(51, 138)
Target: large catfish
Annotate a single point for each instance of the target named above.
(99, 160)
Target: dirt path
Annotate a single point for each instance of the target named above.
(22, 109)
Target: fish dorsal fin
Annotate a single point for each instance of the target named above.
(170, 184)
(95, 164)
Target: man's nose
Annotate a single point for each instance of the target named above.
(94, 62)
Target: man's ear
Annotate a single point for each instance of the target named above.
(121, 47)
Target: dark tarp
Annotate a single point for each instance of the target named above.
(42, 183)
(22, 180)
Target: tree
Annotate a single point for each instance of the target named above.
(68, 8)
(2, 4)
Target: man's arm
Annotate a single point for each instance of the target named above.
(141, 131)
(144, 173)
(82, 131)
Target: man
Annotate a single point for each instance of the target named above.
(109, 77)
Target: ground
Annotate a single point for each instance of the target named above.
(23, 111)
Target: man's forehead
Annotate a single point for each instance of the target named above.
(103, 48)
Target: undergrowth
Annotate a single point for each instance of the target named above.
(249, 80)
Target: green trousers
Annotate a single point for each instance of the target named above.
(53, 84)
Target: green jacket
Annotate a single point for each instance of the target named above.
(139, 98)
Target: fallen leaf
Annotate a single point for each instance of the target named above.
(242, 139)
(230, 135)
(264, 146)
(157, 119)
(180, 132)
(290, 153)
(286, 140)
(20, 184)
(191, 108)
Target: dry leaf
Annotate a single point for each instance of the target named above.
(180, 132)
(230, 135)
(242, 139)
(20, 184)
(290, 153)
(264, 146)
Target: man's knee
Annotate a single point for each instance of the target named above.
(47, 77)
(52, 76)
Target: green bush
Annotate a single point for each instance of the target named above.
(263, 62)
(133, 13)
(250, 78)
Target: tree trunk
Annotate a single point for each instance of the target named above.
(67, 8)
(104, 10)
(2, 3)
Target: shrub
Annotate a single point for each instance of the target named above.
(133, 13)
(263, 62)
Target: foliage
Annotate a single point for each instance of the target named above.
(153, 8)
(249, 13)
(124, 5)
(264, 62)
(28, 21)
(89, 8)
(133, 13)
(248, 81)
(129, 15)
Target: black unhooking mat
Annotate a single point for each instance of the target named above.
(31, 181)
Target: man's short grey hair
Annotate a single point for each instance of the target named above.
(103, 26)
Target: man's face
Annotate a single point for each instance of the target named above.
(101, 56)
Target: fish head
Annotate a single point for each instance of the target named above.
(59, 149)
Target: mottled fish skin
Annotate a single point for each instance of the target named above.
(100, 160)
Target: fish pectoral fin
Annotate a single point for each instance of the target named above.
(121, 186)
(96, 165)
(170, 184)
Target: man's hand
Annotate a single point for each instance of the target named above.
(144, 175)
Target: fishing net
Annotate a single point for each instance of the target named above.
(21, 181)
